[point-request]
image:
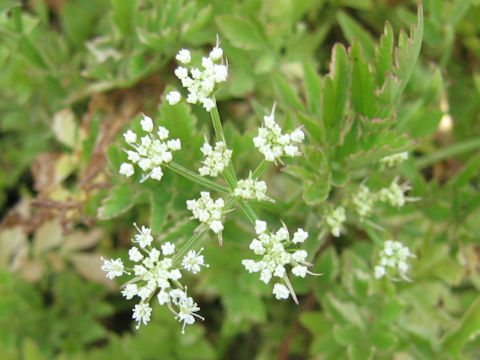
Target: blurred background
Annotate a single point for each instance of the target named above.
(74, 75)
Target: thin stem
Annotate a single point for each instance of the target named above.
(373, 236)
(217, 124)
(261, 168)
(248, 211)
(188, 174)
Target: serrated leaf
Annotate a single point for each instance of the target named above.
(363, 84)
(242, 33)
(313, 89)
(316, 192)
(406, 55)
(335, 89)
(384, 54)
(119, 200)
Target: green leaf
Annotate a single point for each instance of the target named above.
(352, 30)
(384, 54)
(313, 89)
(467, 330)
(159, 203)
(363, 84)
(123, 15)
(316, 192)
(119, 200)
(242, 33)
(406, 55)
(335, 89)
(286, 93)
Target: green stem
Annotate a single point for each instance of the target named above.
(248, 211)
(188, 174)
(448, 152)
(217, 124)
(261, 168)
(373, 236)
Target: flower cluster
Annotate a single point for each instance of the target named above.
(150, 152)
(335, 219)
(200, 83)
(208, 211)
(363, 201)
(395, 194)
(273, 144)
(250, 189)
(393, 260)
(394, 160)
(277, 251)
(155, 273)
(216, 159)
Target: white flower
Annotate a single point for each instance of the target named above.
(249, 189)
(130, 291)
(272, 143)
(260, 227)
(114, 268)
(163, 297)
(216, 53)
(126, 169)
(394, 194)
(130, 137)
(275, 251)
(300, 236)
(208, 211)
(216, 159)
(134, 254)
(202, 83)
(395, 159)
(186, 313)
(168, 248)
(363, 201)
(141, 313)
(299, 270)
(193, 261)
(151, 152)
(147, 123)
(173, 97)
(335, 219)
(184, 56)
(393, 260)
(144, 238)
(280, 291)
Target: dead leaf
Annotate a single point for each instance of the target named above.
(89, 266)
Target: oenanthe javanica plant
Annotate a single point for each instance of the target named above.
(235, 180)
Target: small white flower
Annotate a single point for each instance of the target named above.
(147, 123)
(272, 143)
(394, 194)
(163, 297)
(299, 236)
(181, 72)
(280, 291)
(299, 270)
(193, 261)
(139, 270)
(208, 211)
(249, 189)
(251, 266)
(157, 173)
(299, 255)
(114, 268)
(216, 53)
(187, 312)
(134, 254)
(393, 260)
(363, 201)
(168, 248)
(174, 145)
(216, 159)
(173, 97)
(395, 159)
(144, 238)
(126, 169)
(141, 313)
(130, 291)
(184, 56)
(335, 219)
(265, 276)
(260, 227)
(130, 137)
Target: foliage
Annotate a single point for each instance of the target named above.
(365, 79)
